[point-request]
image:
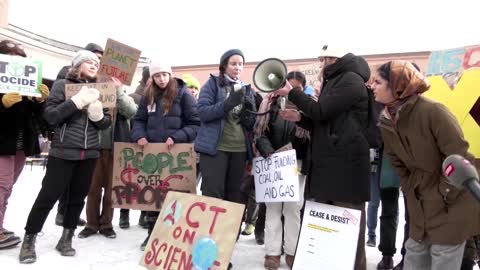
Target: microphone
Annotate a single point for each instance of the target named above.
(461, 173)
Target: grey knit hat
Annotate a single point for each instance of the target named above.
(83, 56)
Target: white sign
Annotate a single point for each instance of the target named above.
(276, 177)
(328, 237)
(21, 75)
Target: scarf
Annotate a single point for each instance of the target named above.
(263, 118)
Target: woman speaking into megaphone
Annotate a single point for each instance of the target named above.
(340, 162)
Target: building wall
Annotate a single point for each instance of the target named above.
(54, 55)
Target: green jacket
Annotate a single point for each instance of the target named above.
(426, 133)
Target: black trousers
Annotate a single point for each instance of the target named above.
(388, 221)
(72, 175)
(260, 224)
(222, 175)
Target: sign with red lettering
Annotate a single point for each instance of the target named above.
(119, 61)
(143, 176)
(193, 232)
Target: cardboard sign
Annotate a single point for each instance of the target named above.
(311, 73)
(193, 232)
(328, 237)
(4, 13)
(276, 177)
(108, 92)
(143, 176)
(21, 75)
(120, 61)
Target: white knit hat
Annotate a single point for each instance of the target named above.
(83, 56)
(328, 51)
(159, 66)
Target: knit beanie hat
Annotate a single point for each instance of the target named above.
(83, 56)
(229, 53)
(191, 81)
(94, 48)
(158, 66)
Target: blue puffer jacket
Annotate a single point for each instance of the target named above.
(211, 111)
(180, 123)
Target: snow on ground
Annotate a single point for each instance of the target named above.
(100, 253)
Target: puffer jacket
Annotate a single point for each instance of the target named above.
(180, 123)
(76, 137)
(339, 150)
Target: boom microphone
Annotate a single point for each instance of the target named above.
(461, 173)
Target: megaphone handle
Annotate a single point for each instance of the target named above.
(283, 102)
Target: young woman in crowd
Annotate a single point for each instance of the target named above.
(73, 154)
(18, 139)
(167, 114)
(418, 135)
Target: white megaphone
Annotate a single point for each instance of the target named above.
(270, 75)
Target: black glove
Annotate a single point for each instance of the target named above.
(233, 100)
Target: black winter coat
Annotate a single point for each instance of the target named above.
(75, 137)
(24, 116)
(340, 163)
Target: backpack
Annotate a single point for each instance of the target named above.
(372, 132)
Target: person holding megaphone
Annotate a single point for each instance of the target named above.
(339, 169)
(224, 139)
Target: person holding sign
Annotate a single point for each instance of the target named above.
(273, 132)
(340, 157)
(99, 204)
(73, 154)
(19, 139)
(167, 114)
(418, 135)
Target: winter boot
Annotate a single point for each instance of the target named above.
(145, 242)
(64, 245)
(124, 222)
(399, 266)
(248, 229)
(142, 221)
(289, 260)
(371, 242)
(386, 263)
(272, 262)
(467, 264)
(260, 237)
(27, 251)
(9, 240)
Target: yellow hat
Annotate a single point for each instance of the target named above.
(191, 81)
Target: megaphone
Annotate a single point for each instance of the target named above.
(270, 75)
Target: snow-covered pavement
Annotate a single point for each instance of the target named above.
(100, 253)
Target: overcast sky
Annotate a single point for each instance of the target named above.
(191, 32)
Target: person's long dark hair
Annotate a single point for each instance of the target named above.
(171, 91)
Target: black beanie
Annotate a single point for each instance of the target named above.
(229, 53)
(94, 48)
(145, 74)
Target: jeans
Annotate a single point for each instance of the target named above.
(372, 209)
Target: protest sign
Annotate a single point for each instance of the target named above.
(143, 176)
(311, 72)
(193, 232)
(108, 92)
(21, 75)
(4, 13)
(119, 61)
(276, 177)
(328, 237)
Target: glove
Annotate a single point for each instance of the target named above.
(10, 99)
(233, 100)
(85, 97)
(95, 111)
(44, 90)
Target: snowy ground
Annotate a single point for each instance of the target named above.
(100, 253)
